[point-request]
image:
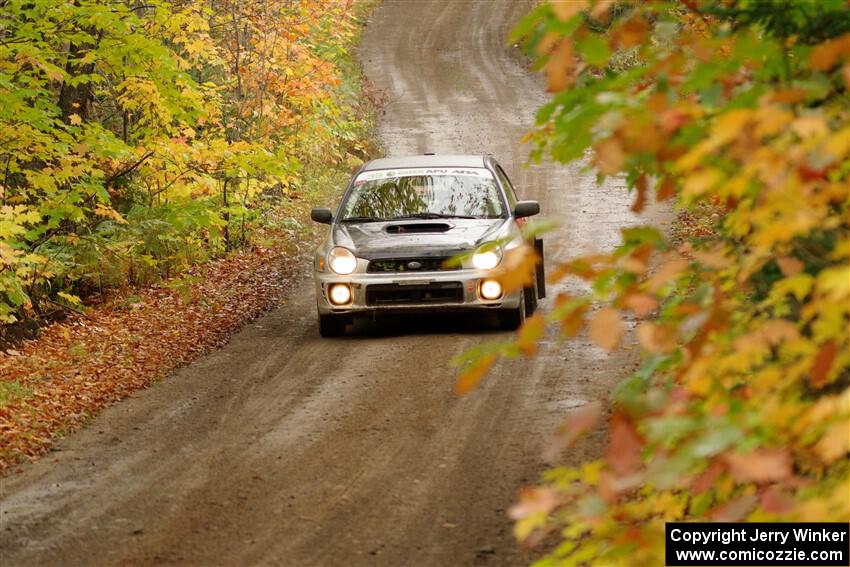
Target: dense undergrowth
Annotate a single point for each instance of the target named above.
(736, 113)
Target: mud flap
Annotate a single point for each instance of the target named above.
(541, 269)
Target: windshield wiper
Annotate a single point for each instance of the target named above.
(362, 219)
(432, 216)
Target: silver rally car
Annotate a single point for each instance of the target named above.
(400, 220)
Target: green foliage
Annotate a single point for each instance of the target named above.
(740, 408)
(137, 140)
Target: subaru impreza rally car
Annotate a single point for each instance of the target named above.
(401, 220)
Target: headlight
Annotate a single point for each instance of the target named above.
(342, 260)
(490, 289)
(340, 294)
(487, 256)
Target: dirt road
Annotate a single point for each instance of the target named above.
(286, 449)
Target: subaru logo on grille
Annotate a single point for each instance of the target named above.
(414, 265)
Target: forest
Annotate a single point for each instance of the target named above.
(138, 139)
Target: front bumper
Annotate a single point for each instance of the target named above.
(451, 290)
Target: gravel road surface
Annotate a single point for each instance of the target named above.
(286, 449)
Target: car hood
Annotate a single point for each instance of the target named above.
(415, 238)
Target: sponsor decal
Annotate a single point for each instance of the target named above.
(423, 171)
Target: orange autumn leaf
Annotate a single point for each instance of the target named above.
(657, 338)
(518, 268)
(826, 55)
(530, 333)
(641, 303)
(624, 445)
(559, 67)
(606, 328)
(640, 199)
(666, 273)
(600, 7)
(573, 320)
(823, 364)
(609, 156)
(761, 465)
(666, 189)
(632, 32)
(566, 9)
(789, 96)
(471, 376)
(790, 266)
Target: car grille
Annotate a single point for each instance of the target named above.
(424, 294)
(396, 265)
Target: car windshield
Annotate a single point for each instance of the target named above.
(423, 193)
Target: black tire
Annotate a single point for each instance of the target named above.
(331, 325)
(512, 319)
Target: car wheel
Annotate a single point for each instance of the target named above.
(331, 325)
(511, 319)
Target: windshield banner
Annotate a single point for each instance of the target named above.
(421, 171)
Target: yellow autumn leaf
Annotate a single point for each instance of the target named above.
(835, 444)
(108, 212)
(72, 299)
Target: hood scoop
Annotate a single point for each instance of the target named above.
(418, 227)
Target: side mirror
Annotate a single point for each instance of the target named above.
(526, 209)
(324, 216)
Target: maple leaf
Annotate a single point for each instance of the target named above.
(606, 328)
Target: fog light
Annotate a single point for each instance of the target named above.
(339, 294)
(490, 289)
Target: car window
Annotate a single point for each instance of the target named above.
(449, 192)
(506, 183)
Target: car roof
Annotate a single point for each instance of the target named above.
(427, 160)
